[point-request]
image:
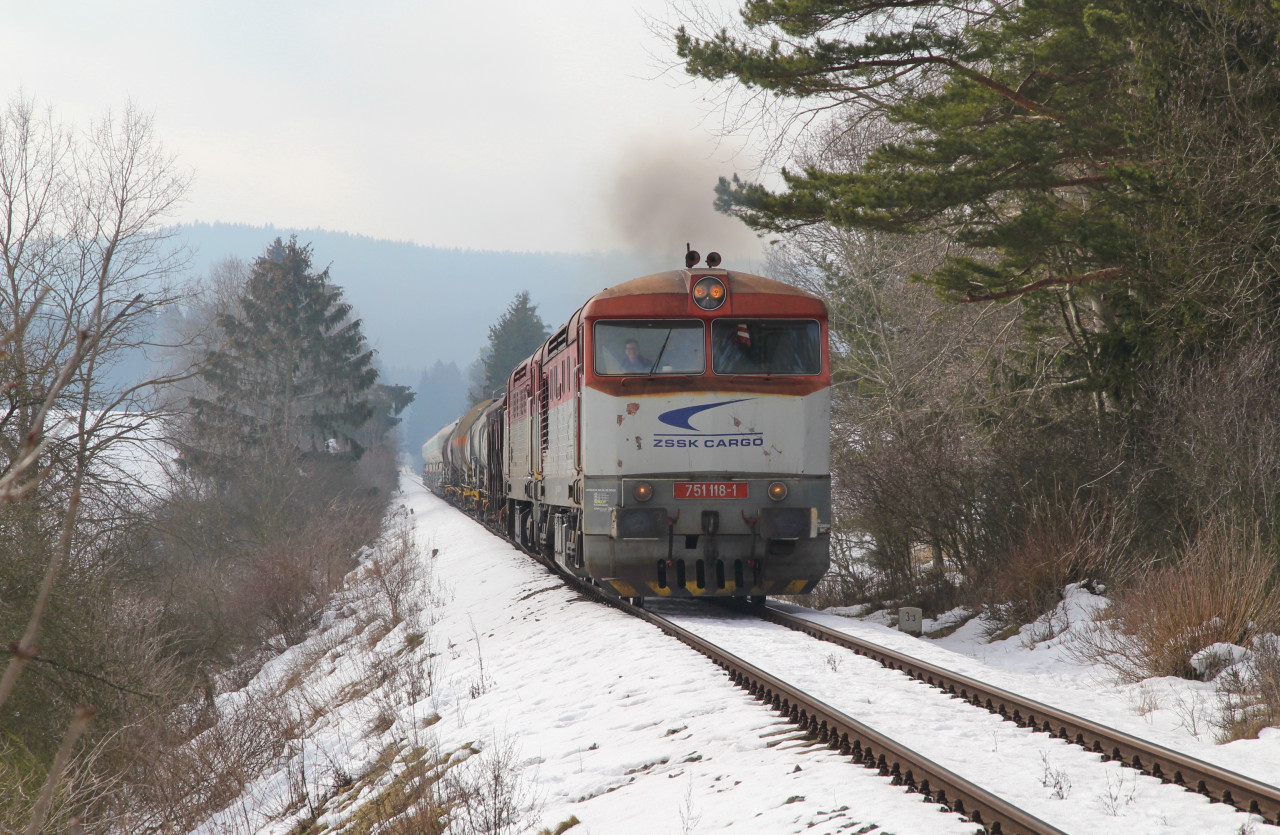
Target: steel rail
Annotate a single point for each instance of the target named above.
(1215, 782)
(840, 732)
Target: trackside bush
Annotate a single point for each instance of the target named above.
(1222, 589)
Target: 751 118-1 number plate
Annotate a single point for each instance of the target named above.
(711, 490)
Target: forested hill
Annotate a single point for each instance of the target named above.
(423, 304)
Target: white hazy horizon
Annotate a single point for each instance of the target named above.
(547, 127)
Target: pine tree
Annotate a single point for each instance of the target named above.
(293, 373)
(1011, 138)
(1059, 142)
(512, 338)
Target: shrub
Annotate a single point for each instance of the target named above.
(1073, 546)
(1221, 590)
(1250, 692)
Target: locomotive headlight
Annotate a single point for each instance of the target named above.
(709, 292)
(777, 491)
(643, 491)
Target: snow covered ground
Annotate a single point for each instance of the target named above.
(472, 661)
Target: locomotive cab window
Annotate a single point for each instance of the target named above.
(766, 346)
(641, 348)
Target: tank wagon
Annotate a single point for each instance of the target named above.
(465, 450)
(670, 439)
(433, 459)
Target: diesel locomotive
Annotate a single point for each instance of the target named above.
(670, 440)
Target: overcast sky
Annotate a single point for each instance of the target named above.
(530, 125)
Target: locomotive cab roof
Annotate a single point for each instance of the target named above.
(681, 282)
(672, 294)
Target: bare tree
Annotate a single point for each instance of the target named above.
(86, 266)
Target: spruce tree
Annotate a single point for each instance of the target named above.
(293, 373)
(512, 338)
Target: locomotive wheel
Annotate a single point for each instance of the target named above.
(756, 600)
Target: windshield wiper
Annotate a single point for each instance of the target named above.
(658, 359)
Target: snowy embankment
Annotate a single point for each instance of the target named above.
(588, 712)
(1039, 663)
(465, 672)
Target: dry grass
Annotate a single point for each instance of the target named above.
(185, 784)
(1250, 692)
(1054, 552)
(413, 802)
(23, 776)
(392, 592)
(489, 793)
(1221, 590)
(397, 573)
(415, 789)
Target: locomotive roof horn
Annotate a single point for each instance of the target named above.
(691, 257)
(713, 259)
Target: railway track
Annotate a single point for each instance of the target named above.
(828, 726)
(868, 747)
(1214, 782)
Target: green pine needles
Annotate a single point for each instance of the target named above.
(1082, 156)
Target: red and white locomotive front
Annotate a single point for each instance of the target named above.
(703, 436)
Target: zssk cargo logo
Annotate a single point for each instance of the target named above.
(681, 419)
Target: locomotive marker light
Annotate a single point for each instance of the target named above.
(777, 491)
(709, 292)
(643, 491)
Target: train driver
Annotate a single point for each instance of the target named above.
(634, 360)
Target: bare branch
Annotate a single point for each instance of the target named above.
(1047, 281)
